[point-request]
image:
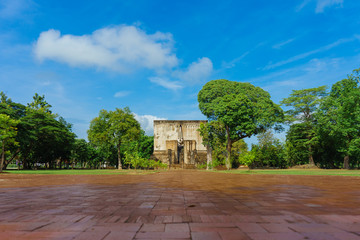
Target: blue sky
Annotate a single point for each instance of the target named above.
(154, 56)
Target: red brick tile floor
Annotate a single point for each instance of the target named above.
(179, 204)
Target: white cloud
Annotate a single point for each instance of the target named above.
(123, 49)
(302, 5)
(147, 122)
(280, 45)
(164, 82)
(233, 62)
(307, 54)
(122, 94)
(117, 48)
(14, 8)
(315, 72)
(320, 4)
(197, 71)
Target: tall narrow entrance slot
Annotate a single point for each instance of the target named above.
(180, 147)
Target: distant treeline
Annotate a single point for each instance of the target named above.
(324, 125)
(33, 137)
(324, 130)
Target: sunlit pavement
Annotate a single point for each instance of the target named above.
(180, 204)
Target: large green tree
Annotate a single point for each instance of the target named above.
(80, 153)
(340, 115)
(303, 104)
(243, 109)
(8, 133)
(45, 137)
(15, 111)
(114, 128)
(297, 144)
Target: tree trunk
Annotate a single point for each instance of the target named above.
(119, 158)
(228, 149)
(6, 162)
(209, 157)
(311, 159)
(346, 162)
(2, 156)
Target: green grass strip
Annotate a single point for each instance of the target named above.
(330, 172)
(82, 171)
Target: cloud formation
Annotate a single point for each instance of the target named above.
(197, 71)
(147, 123)
(233, 62)
(166, 83)
(280, 45)
(117, 48)
(123, 49)
(307, 54)
(321, 4)
(10, 9)
(121, 94)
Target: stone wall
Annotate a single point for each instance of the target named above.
(167, 134)
(169, 130)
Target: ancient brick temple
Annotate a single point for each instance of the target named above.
(178, 143)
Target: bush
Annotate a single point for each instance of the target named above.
(269, 153)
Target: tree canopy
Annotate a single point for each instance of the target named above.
(113, 128)
(8, 133)
(340, 115)
(242, 108)
(303, 105)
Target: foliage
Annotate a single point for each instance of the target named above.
(201, 166)
(296, 144)
(81, 152)
(247, 158)
(303, 105)
(45, 139)
(40, 104)
(241, 108)
(8, 133)
(145, 145)
(340, 115)
(15, 111)
(268, 153)
(134, 159)
(238, 149)
(42, 137)
(214, 135)
(113, 128)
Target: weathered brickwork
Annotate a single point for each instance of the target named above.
(179, 143)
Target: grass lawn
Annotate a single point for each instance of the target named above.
(336, 172)
(82, 171)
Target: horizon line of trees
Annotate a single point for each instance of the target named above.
(324, 130)
(32, 137)
(324, 126)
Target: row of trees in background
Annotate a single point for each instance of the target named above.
(324, 127)
(32, 136)
(324, 130)
(118, 133)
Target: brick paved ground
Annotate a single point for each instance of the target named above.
(179, 205)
